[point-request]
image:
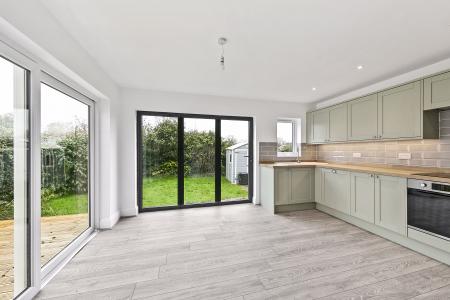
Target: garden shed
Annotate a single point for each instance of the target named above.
(237, 161)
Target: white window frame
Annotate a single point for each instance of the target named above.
(296, 137)
(50, 269)
(38, 73)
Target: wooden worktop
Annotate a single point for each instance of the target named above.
(390, 170)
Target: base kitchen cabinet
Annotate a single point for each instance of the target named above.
(336, 190)
(286, 189)
(363, 196)
(390, 203)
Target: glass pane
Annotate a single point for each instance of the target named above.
(14, 148)
(199, 152)
(160, 161)
(64, 171)
(234, 160)
(284, 136)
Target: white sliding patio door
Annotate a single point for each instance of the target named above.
(14, 180)
(66, 170)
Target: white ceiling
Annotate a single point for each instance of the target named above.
(277, 50)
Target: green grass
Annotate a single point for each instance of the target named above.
(162, 191)
(65, 205)
(62, 205)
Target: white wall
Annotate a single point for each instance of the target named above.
(28, 27)
(264, 113)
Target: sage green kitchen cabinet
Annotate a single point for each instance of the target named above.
(400, 111)
(282, 186)
(338, 123)
(390, 203)
(320, 126)
(363, 118)
(318, 178)
(362, 196)
(302, 185)
(309, 127)
(437, 91)
(294, 185)
(336, 190)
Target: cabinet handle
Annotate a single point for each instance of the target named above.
(379, 136)
(333, 171)
(375, 137)
(371, 175)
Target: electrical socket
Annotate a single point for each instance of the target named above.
(405, 155)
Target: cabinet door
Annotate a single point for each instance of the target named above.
(338, 123)
(400, 111)
(318, 185)
(302, 185)
(363, 118)
(437, 91)
(390, 203)
(309, 128)
(336, 190)
(282, 186)
(363, 196)
(320, 124)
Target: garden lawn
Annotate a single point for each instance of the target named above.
(65, 205)
(162, 191)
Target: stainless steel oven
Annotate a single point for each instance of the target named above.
(429, 207)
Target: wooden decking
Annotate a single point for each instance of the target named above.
(242, 252)
(57, 232)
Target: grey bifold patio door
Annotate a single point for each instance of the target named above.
(189, 160)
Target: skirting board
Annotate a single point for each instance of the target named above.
(387, 234)
(294, 207)
(108, 223)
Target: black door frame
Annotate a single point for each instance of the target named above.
(181, 117)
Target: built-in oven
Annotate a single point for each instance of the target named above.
(429, 208)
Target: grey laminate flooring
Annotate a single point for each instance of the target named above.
(242, 252)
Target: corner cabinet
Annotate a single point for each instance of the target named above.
(329, 125)
(437, 91)
(390, 203)
(294, 186)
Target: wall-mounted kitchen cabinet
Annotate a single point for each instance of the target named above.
(338, 123)
(320, 126)
(363, 118)
(400, 112)
(395, 113)
(330, 124)
(437, 91)
(309, 128)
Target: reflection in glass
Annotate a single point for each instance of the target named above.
(234, 164)
(14, 148)
(159, 161)
(64, 171)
